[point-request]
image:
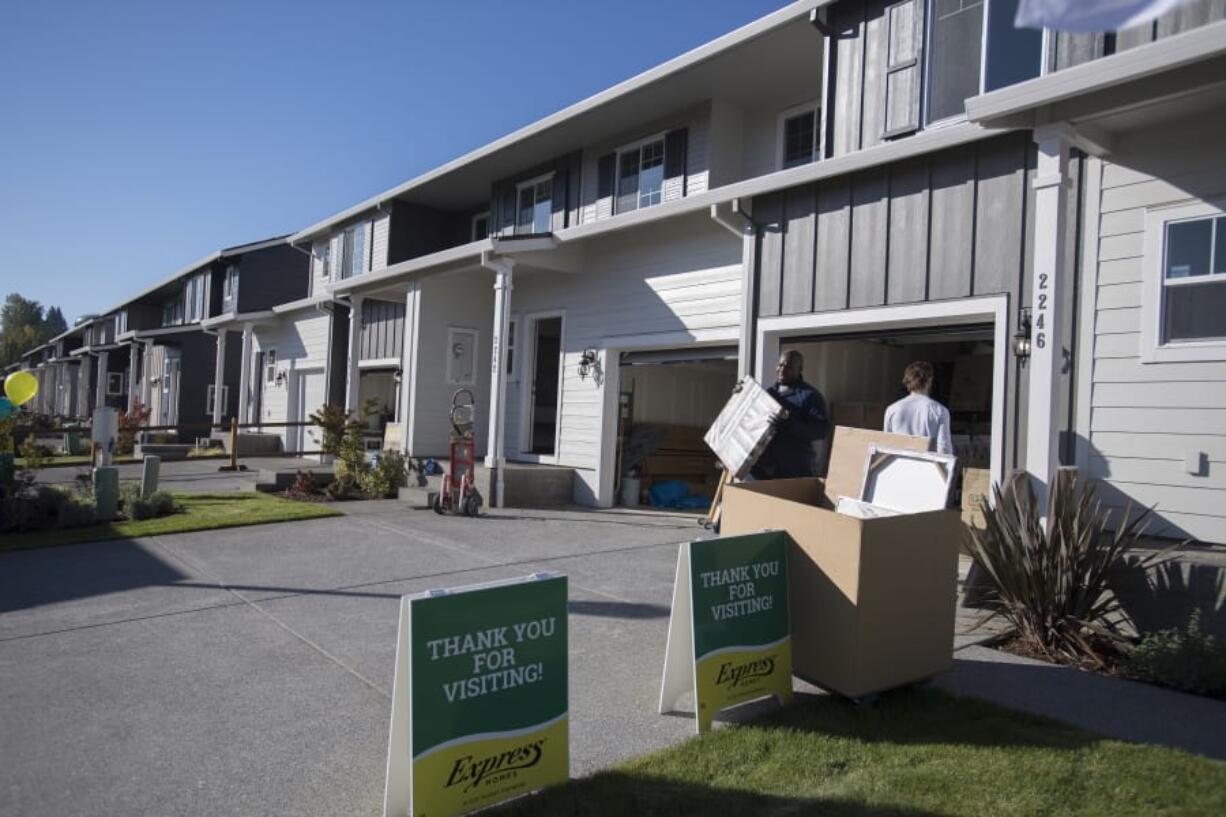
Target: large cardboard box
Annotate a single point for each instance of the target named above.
(872, 600)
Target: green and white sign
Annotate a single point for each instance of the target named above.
(480, 697)
(729, 639)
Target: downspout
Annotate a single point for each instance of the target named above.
(740, 223)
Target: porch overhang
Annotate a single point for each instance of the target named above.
(1092, 96)
(238, 319)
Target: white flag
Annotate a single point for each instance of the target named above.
(1090, 15)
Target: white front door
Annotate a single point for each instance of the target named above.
(312, 394)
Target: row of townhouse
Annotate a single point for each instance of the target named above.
(865, 181)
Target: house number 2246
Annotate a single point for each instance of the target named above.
(1040, 319)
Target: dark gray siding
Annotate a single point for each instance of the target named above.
(270, 276)
(199, 356)
(951, 225)
(382, 329)
(1068, 49)
(338, 345)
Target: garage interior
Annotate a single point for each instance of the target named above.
(667, 401)
(860, 374)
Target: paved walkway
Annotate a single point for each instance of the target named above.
(247, 671)
(199, 475)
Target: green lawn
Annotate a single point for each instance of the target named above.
(913, 753)
(199, 512)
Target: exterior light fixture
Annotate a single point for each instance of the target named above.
(1021, 338)
(587, 363)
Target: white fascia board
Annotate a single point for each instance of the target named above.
(1172, 52)
(302, 303)
(687, 60)
(142, 334)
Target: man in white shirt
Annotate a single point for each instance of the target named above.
(918, 414)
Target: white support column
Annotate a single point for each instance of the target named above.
(244, 377)
(495, 455)
(133, 380)
(146, 376)
(1047, 294)
(219, 377)
(352, 372)
(100, 382)
(408, 366)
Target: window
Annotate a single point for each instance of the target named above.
(1014, 54)
(114, 384)
(640, 175)
(172, 311)
(323, 258)
(1194, 281)
(270, 366)
(225, 399)
(535, 209)
(955, 42)
(121, 322)
(1184, 286)
(511, 349)
(461, 356)
(481, 226)
(231, 286)
(798, 137)
(353, 261)
(194, 299)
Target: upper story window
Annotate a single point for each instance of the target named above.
(640, 175)
(353, 261)
(798, 136)
(323, 259)
(534, 211)
(121, 322)
(172, 311)
(481, 226)
(1184, 286)
(230, 292)
(194, 295)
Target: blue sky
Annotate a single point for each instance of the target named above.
(137, 137)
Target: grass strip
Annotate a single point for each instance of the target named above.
(915, 753)
(198, 512)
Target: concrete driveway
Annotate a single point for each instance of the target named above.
(247, 671)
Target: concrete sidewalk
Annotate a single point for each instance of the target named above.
(194, 475)
(248, 670)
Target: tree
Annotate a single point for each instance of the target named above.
(23, 326)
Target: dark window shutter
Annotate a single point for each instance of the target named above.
(508, 208)
(605, 168)
(558, 203)
(675, 144)
(904, 43)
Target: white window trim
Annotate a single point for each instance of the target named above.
(225, 398)
(472, 231)
(617, 168)
(519, 189)
(270, 366)
(512, 348)
(452, 332)
(1152, 289)
(117, 378)
(813, 105)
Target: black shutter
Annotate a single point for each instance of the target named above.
(508, 209)
(904, 42)
(605, 168)
(675, 144)
(558, 203)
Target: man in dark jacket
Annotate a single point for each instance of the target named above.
(790, 452)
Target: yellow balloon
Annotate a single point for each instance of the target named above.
(20, 388)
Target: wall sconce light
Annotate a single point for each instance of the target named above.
(1021, 338)
(280, 378)
(587, 363)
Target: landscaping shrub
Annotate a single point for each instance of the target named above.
(75, 511)
(130, 423)
(332, 421)
(389, 473)
(304, 484)
(1189, 659)
(1050, 582)
(35, 507)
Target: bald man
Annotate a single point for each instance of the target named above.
(790, 452)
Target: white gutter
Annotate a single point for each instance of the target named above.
(1166, 54)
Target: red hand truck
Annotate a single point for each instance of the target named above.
(459, 494)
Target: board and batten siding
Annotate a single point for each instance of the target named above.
(382, 329)
(301, 341)
(953, 224)
(679, 278)
(1146, 417)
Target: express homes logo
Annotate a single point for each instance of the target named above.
(471, 771)
(735, 675)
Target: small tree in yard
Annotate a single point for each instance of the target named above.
(1050, 582)
(130, 423)
(332, 421)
